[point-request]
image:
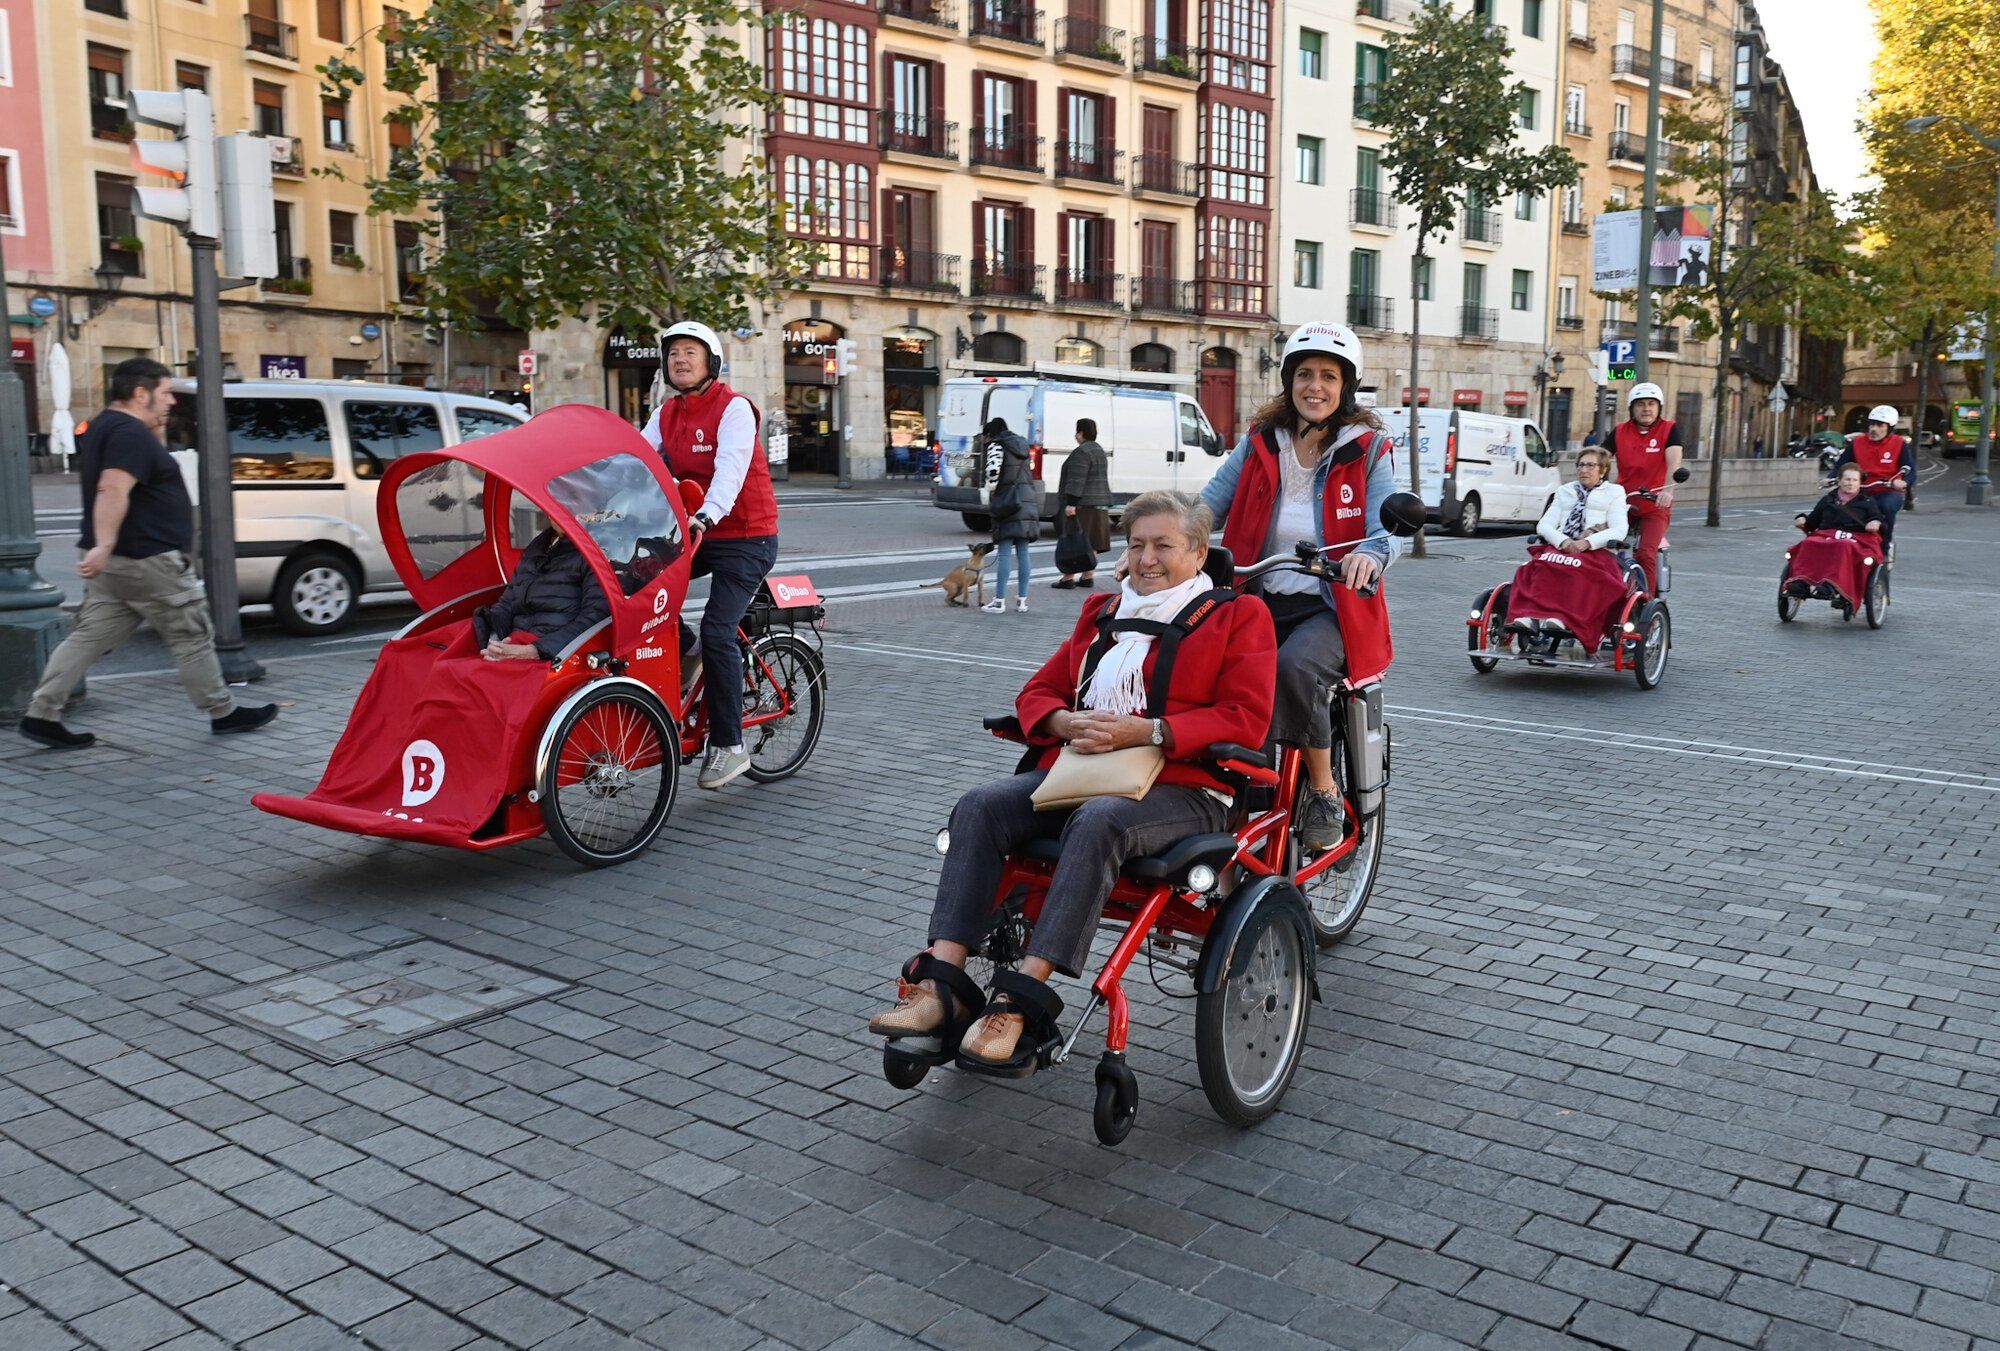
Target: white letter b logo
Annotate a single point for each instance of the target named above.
(423, 773)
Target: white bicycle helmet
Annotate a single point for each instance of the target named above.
(1334, 340)
(1646, 389)
(1883, 412)
(702, 334)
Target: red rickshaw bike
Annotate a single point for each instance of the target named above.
(447, 747)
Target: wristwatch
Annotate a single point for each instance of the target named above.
(1159, 731)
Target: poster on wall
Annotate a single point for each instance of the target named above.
(1682, 244)
(284, 368)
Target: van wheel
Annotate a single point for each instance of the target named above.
(982, 524)
(317, 593)
(1467, 524)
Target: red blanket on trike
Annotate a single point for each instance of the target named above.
(1584, 592)
(1839, 558)
(427, 751)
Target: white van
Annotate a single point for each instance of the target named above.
(305, 457)
(1476, 469)
(1154, 434)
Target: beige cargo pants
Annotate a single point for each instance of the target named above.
(162, 591)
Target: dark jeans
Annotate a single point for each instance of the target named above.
(736, 567)
(995, 819)
(1312, 658)
(1892, 505)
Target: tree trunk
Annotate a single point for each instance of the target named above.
(1714, 517)
(1415, 444)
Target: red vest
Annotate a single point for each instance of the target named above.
(1364, 621)
(1642, 456)
(688, 427)
(1880, 461)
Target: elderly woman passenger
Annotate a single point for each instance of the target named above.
(1220, 689)
(1589, 513)
(551, 600)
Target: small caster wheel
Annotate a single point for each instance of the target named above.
(901, 1071)
(1117, 1099)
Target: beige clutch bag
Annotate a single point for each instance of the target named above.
(1075, 778)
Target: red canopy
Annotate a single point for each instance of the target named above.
(455, 520)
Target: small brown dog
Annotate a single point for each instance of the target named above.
(967, 577)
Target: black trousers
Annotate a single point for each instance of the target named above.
(1312, 659)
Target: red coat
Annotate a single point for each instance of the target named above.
(1225, 679)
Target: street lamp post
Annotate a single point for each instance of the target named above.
(31, 619)
(1980, 488)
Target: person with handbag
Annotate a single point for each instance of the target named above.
(1016, 506)
(1121, 714)
(1084, 522)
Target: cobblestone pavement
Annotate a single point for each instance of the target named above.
(1679, 1037)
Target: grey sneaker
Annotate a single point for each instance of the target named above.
(1322, 820)
(722, 766)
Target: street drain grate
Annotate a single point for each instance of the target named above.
(356, 1005)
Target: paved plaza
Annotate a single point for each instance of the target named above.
(1674, 1022)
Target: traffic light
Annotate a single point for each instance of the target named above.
(1599, 368)
(249, 212)
(843, 358)
(189, 159)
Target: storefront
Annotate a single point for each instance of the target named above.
(1465, 399)
(631, 361)
(811, 410)
(910, 379)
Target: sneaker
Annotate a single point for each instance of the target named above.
(723, 766)
(1322, 821)
(995, 607)
(1021, 605)
(994, 1039)
(247, 717)
(51, 732)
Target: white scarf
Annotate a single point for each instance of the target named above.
(1119, 683)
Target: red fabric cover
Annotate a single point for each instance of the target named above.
(1584, 591)
(1642, 456)
(1880, 461)
(688, 427)
(1364, 621)
(1836, 556)
(430, 743)
(1225, 680)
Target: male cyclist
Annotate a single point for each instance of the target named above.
(708, 433)
(1888, 464)
(1648, 448)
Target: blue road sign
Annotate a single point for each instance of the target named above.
(1620, 351)
(371, 331)
(41, 306)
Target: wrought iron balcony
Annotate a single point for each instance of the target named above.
(1481, 227)
(1570, 322)
(1366, 206)
(1157, 56)
(1478, 322)
(1164, 295)
(1009, 280)
(919, 134)
(1637, 62)
(1091, 161)
(1008, 21)
(1006, 149)
(268, 37)
(294, 277)
(1367, 310)
(1090, 40)
(1164, 173)
(1627, 148)
(908, 270)
(1617, 330)
(936, 13)
(1575, 125)
(1089, 288)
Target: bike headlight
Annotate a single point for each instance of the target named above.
(1475, 614)
(944, 840)
(1868, 562)
(1201, 878)
(1630, 627)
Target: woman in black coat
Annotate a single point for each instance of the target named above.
(1085, 496)
(552, 598)
(1016, 504)
(1845, 508)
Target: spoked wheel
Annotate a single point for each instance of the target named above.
(1337, 896)
(1005, 944)
(610, 778)
(779, 747)
(1877, 597)
(1788, 604)
(1251, 1029)
(1117, 1099)
(1496, 633)
(1649, 664)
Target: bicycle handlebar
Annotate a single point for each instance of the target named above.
(1307, 558)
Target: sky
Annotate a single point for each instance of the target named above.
(1827, 48)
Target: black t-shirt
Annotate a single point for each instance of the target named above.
(159, 516)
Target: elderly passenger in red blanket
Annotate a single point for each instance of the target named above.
(1571, 585)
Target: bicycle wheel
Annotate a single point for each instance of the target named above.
(795, 674)
(1876, 600)
(609, 782)
(1337, 896)
(1251, 1029)
(1495, 635)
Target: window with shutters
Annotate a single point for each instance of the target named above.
(333, 20)
(1312, 54)
(117, 229)
(187, 75)
(333, 124)
(823, 74)
(913, 118)
(1312, 157)
(1003, 249)
(1305, 264)
(110, 120)
(829, 202)
(341, 234)
(269, 102)
(1522, 295)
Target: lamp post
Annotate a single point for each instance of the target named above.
(1979, 489)
(31, 619)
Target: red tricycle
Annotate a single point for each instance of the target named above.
(448, 747)
(1851, 570)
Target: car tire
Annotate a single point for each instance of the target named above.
(975, 522)
(317, 593)
(1467, 524)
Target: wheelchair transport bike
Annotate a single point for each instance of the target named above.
(446, 747)
(1848, 569)
(1636, 636)
(1241, 914)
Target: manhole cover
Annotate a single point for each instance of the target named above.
(361, 1004)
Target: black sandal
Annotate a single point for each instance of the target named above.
(1040, 1006)
(964, 1003)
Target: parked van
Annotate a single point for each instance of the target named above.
(1154, 434)
(305, 457)
(1476, 469)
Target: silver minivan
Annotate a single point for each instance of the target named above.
(305, 457)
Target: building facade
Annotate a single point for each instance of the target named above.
(117, 286)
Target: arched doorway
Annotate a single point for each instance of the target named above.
(909, 396)
(1857, 419)
(1079, 352)
(631, 361)
(1153, 357)
(1005, 349)
(1217, 391)
(811, 422)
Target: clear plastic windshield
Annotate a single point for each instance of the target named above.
(624, 510)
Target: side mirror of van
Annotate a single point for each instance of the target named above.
(1211, 441)
(1403, 514)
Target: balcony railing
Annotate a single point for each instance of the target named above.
(937, 13)
(110, 122)
(1365, 206)
(1158, 56)
(1367, 310)
(1576, 227)
(1091, 40)
(1006, 149)
(907, 270)
(920, 134)
(293, 164)
(1571, 322)
(268, 37)
(1481, 227)
(1165, 295)
(1007, 21)
(294, 277)
(1478, 322)
(1164, 173)
(1016, 281)
(1575, 126)
(1092, 161)
(1387, 11)
(1638, 62)
(1627, 148)
(1089, 287)
(1366, 97)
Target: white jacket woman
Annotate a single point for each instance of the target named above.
(1602, 521)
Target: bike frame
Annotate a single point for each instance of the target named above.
(694, 715)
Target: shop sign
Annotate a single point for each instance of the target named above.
(631, 349)
(284, 368)
(1464, 396)
(1515, 398)
(1423, 395)
(812, 353)
(23, 349)
(41, 306)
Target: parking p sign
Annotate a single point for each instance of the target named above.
(526, 363)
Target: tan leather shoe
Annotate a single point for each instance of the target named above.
(994, 1038)
(919, 1011)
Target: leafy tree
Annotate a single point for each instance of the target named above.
(601, 159)
(1452, 117)
(1937, 57)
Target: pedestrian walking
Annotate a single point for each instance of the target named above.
(1016, 506)
(1084, 494)
(138, 535)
